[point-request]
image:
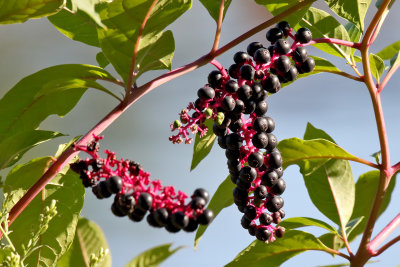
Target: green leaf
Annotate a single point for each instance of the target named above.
(89, 238)
(54, 90)
(377, 156)
(64, 147)
(351, 225)
(221, 199)
(389, 51)
(66, 188)
(377, 66)
(124, 20)
(353, 11)
(102, 60)
(329, 181)
(297, 222)
(20, 11)
(274, 254)
(78, 24)
(395, 60)
(153, 257)
(13, 147)
(202, 145)
(354, 34)
(278, 6)
(310, 154)
(332, 241)
(324, 25)
(4, 253)
(212, 7)
(366, 187)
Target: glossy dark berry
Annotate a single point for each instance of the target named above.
(115, 209)
(199, 104)
(280, 232)
(308, 65)
(300, 54)
(96, 191)
(260, 124)
(279, 171)
(303, 35)
(197, 203)
(236, 125)
(274, 204)
(261, 108)
(192, 225)
(265, 218)
(222, 142)
(239, 194)
(282, 79)
(145, 201)
(282, 213)
(228, 103)
(103, 189)
(262, 56)
(201, 192)
(244, 185)
(250, 106)
(245, 92)
(257, 91)
(261, 192)
(234, 166)
(262, 234)
(275, 159)
(271, 125)
(161, 216)
(274, 34)
(215, 78)
(179, 219)
(234, 141)
(247, 72)
(247, 174)
(259, 74)
(279, 187)
(276, 216)
(170, 227)
(206, 93)
(250, 212)
(269, 178)
(292, 74)
(284, 27)
(241, 57)
(231, 86)
(151, 221)
(114, 184)
(245, 222)
(252, 229)
(255, 159)
(233, 71)
(206, 217)
(271, 84)
(234, 178)
(253, 47)
(283, 64)
(232, 154)
(272, 142)
(137, 215)
(218, 131)
(282, 47)
(239, 107)
(260, 140)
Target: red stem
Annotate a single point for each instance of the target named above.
(387, 77)
(334, 41)
(374, 244)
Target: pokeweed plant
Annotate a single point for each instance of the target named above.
(43, 197)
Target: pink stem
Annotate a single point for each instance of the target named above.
(387, 77)
(373, 245)
(334, 41)
(220, 68)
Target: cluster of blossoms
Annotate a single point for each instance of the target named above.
(236, 100)
(136, 194)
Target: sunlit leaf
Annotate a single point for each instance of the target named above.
(202, 145)
(153, 257)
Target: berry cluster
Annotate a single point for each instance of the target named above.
(236, 101)
(136, 194)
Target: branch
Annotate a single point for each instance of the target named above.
(341, 73)
(136, 94)
(374, 244)
(388, 76)
(219, 25)
(388, 245)
(334, 41)
(135, 51)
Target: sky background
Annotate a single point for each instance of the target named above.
(337, 105)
